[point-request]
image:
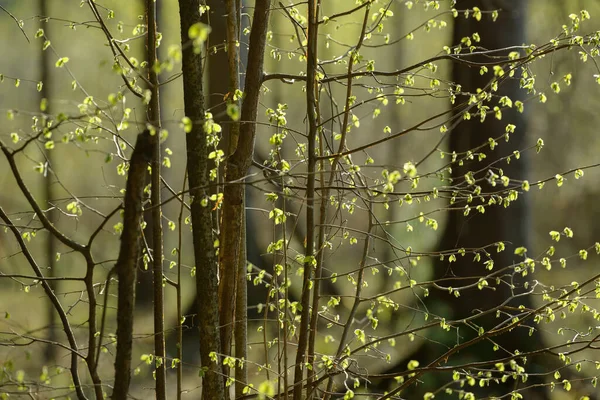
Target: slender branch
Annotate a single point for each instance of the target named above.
(16, 21)
(92, 324)
(106, 289)
(460, 58)
(54, 300)
(115, 48)
(323, 210)
(34, 205)
(179, 294)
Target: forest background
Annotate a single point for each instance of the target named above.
(566, 121)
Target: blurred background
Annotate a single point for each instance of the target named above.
(86, 170)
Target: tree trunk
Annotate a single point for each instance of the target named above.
(127, 262)
(153, 119)
(45, 63)
(202, 223)
(238, 164)
(498, 224)
(476, 230)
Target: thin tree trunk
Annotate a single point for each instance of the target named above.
(222, 82)
(241, 314)
(202, 224)
(311, 112)
(241, 297)
(127, 261)
(50, 351)
(157, 234)
(238, 164)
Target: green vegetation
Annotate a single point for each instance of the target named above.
(378, 199)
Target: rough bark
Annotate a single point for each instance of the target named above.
(237, 167)
(241, 314)
(221, 72)
(202, 224)
(129, 252)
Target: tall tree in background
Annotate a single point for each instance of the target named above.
(509, 226)
(497, 224)
(45, 68)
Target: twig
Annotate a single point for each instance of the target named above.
(16, 21)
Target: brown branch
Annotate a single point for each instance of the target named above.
(54, 300)
(16, 21)
(460, 58)
(485, 336)
(323, 220)
(115, 48)
(34, 205)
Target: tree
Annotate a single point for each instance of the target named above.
(467, 318)
(509, 226)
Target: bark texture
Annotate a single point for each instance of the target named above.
(202, 224)
(238, 164)
(127, 262)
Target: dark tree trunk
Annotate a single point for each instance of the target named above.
(45, 68)
(144, 297)
(127, 262)
(218, 83)
(498, 224)
(207, 306)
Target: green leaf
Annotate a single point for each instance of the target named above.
(187, 124)
(233, 111)
(520, 251)
(61, 62)
(199, 31)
